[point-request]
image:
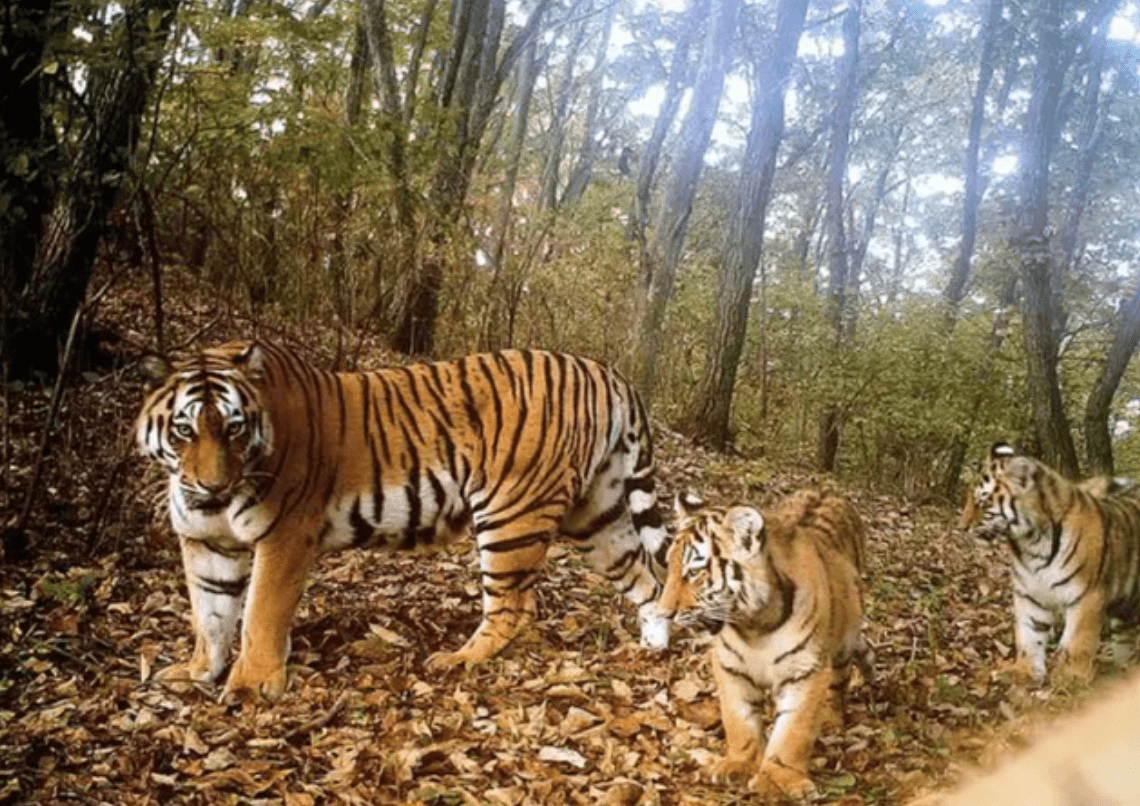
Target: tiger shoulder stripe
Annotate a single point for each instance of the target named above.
(782, 595)
(272, 460)
(1074, 557)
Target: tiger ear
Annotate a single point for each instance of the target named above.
(252, 360)
(1020, 472)
(747, 529)
(154, 370)
(1002, 450)
(687, 503)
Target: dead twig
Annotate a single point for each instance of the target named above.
(319, 722)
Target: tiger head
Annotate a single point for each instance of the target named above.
(982, 505)
(1017, 496)
(206, 425)
(709, 576)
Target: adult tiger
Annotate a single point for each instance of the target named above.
(1075, 549)
(272, 461)
(783, 599)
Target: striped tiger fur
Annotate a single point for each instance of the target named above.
(272, 460)
(1075, 550)
(782, 597)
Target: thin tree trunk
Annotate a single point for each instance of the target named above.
(1092, 128)
(708, 421)
(651, 154)
(1098, 436)
(500, 299)
(1041, 317)
(587, 152)
(960, 274)
(669, 236)
(837, 259)
(556, 139)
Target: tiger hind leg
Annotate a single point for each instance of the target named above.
(618, 527)
(1121, 641)
(1079, 640)
(510, 556)
(216, 580)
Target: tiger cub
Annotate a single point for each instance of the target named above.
(1075, 551)
(272, 461)
(782, 597)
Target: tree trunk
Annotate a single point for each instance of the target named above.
(1098, 435)
(552, 165)
(651, 154)
(1092, 129)
(838, 304)
(473, 83)
(27, 139)
(708, 421)
(960, 274)
(584, 165)
(41, 312)
(669, 234)
(1040, 295)
(501, 292)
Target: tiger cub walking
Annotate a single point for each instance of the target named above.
(272, 461)
(783, 598)
(1075, 550)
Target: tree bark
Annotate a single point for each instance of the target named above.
(708, 421)
(669, 235)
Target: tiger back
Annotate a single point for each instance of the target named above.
(782, 597)
(272, 460)
(1075, 559)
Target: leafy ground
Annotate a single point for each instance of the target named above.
(92, 603)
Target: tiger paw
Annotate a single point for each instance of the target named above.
(777, 782)
(442, 661)
(1020, 672)
(727, 769)
(1072, 674)
(244, 682)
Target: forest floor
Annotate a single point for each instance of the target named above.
(572, 712)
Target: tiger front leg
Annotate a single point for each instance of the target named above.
(740, 716)
(1032, 627)
(510, 558)
(216, 580)
(280, 565)
(1079, 640)
(800, 707)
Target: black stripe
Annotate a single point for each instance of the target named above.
(222, 587)
(516, 543)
